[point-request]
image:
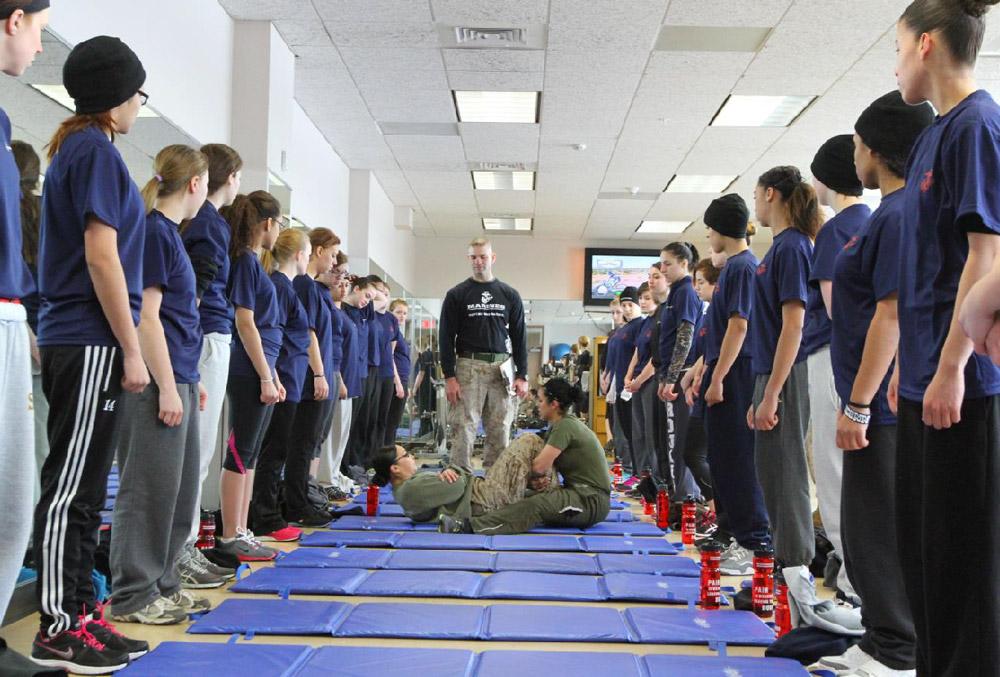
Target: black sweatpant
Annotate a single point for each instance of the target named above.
(364, 408)
(386, 394)
(623, 414)
(868, 521)
(248, 421)
(948, 527)
(306, 435)
(696, 457)
(265, 509)
(396, 409)
(83, 385)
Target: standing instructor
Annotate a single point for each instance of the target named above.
(484, 357)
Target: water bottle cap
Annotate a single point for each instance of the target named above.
(764, 552)
(711, 547)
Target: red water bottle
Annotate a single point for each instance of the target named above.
(763, 583)
(688, 518)
(616, 471)
(782, 614)
(372, 499)
(662, 508)
(648, 507)
(206, 531)
(711, 576)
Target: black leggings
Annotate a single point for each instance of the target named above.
(306, 435)
(696, 457)
(248, 421)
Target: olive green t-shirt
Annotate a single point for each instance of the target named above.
(581, 463)
(425, 495)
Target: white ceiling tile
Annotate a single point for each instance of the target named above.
(518, 60)
(581, 126)
(624, 213)
(563, 156)
(328, 80)
(558, 227)
(596, 84)
(680, 207)
(704, 72)
(369, 81)
(584, 60)
(506, 201)
(302, 32)
(369, 59)
(356, 34)
(604, 12)
(726, 12)
(266, 10)
(581, 102)
(317, 56)
(729, 150)
(388, 11)
(624, 38)
(428, 152)
(431, 111)
(495, 81)
(401, 98)
(506, 12)
(488, 142)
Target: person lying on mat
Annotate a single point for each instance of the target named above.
(454, 491)
(584, 497)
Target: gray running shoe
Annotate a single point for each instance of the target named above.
(225, 573)
(246, 548)
(736, 561)
(160, 611)
(189, 603)
(194, 575)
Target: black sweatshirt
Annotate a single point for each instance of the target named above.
(483, 317)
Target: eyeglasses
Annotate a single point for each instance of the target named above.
(143, 97)
(405, 455)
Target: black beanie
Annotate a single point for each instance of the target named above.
(728, 215)
(890, 126)
(834, 166)
(102, 73)
(629, 294)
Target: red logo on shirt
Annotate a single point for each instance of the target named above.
(704, 330)
(850, 243)
(761, 269)
(928, 181)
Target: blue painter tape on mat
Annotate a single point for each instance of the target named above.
(705, 666)
(271, 617)
(653, 625)
(659, 546)
(534, 586)
(548, 562)
(355, 539)
(417, 621)
(403, 583)
(299, 582)
(618, 505)
(351, 661)
(623, 529)
(441, 560)
(170, 659)
(549, 663)
(529, 623)
(646, 588)
(360, 522)
(621, 516)
(436, 541)
(659, 565)
(536, 543)
(334, 558)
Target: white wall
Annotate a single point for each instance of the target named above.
(392, 249)
(319, 179)
(185, 47)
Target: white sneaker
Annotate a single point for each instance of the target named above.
(875, 669)
(847, 662)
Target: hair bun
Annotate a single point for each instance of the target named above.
(751, 229)
(977, 8)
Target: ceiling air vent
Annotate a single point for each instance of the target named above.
(490, 37)
(501, 167)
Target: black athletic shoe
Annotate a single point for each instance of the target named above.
(221, 559)
(77, 651)
(453, 525)
(312, 520)
(108, 635)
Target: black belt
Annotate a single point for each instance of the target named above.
(492, 358)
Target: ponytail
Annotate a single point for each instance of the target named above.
(568, 396)
(173, 168)
(246, 217)
(382, 461)
(223, 162)
(289, 243)
(798, 197)
(29, 165)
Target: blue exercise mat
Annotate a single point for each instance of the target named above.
(548, 562)
(334, 558)
(723, 666)
(415, 621)
(621, 516)
(436, 541)
(363, 523)
(624, 529)
(653, 625)
(420, 584)
(302, 582)
(532, 623)
(660, 565)
(534, 586)
(441, 560)
(618, 505)
(535, 543)
(355, 539)
(646, 588)
(622, 544)
(558, 663)
(170, 659)
(384, 509)
(351, 661)
(384, 496)
(271, 617)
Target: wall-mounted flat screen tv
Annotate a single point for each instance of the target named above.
(608, 271)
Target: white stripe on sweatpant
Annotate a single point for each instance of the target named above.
(96, 361)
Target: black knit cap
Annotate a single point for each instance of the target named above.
(890, 126)
(834, 166)
(102, 73)
(729, 216)
(629, 294)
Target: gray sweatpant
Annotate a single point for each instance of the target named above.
(782, 470)
(159, 469)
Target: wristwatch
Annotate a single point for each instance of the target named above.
(857, 416)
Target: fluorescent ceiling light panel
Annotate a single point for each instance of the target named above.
(503, 180)
(761, 111)
(663, 227)
(699, 183)
(503, 223)
(59, 94)
(519, 107)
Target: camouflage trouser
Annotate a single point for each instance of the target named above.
(507, 480)
(484, 395)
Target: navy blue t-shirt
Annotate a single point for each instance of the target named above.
(166, 265)
(311, 293)
(293, 360)
(15, 279)
(866, 272)
(733, 296)
(782, 276)
(337, 331)
(207, 237)
(388, 327)
(350, 364)
(644, 344)
(360, 318)
(830, 240)
(87, 177)
(626, 337)
(683, 305)
(952, 174)
(251, 288)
